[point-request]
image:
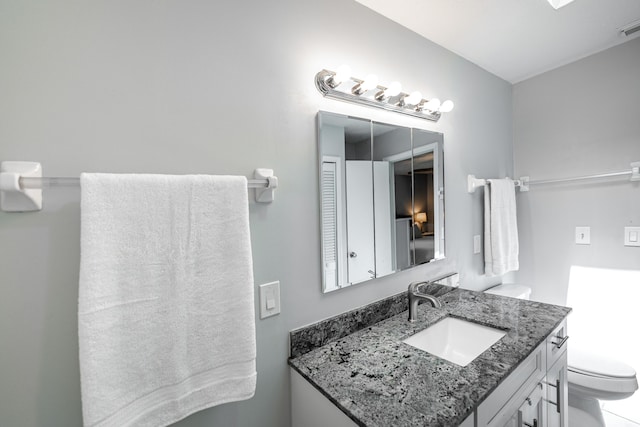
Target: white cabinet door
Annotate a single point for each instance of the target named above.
(499, 407)
(532, 411)
(557, 393)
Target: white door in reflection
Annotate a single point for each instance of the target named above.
(360, 238)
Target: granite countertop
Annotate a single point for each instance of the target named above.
(377, 380)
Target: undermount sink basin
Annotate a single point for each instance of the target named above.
(456, 340)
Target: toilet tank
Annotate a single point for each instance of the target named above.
(511, 290)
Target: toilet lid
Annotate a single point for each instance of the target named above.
(589, 363)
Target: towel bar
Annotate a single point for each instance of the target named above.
(21, 185)
(524, 182)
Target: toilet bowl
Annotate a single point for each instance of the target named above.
(591, 377)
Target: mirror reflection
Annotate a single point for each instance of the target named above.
(380, 188)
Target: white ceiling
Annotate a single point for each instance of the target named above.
(515, 39)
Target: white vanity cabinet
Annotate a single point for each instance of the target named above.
(310, 408)
(518, 398)
(535, 394)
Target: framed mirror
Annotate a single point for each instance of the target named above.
(381, 188)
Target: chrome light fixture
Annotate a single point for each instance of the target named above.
(341, 85)
(630, 29)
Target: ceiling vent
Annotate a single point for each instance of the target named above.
(630, 29)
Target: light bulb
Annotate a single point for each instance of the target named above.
(446, 106)
(393, 90)
(413, 99)
(432, 105)
(370, 82)
(342, 73)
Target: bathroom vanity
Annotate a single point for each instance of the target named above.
(355, 369)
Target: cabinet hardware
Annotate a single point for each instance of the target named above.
(558, 395)
(558, 391)
(562, 341)
(353, 255)
(535, 423)
(557, 387)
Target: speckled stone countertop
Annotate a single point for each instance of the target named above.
(377, 380)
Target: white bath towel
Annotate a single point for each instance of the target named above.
(166, 309)
(500, 227)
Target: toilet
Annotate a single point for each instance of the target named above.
(511, 290)
(591, 377)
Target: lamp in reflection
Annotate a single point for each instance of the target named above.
(420, 218)
(343, 86)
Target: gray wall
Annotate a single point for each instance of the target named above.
(207, 87)
(580, 119)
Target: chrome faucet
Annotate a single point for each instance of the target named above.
(415, 296)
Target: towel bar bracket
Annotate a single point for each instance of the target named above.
(13, 198)
(635, 171)
(266, 194)
(473, 183)
(21, 185)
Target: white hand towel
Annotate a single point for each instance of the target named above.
(166, 309)
(500, 227)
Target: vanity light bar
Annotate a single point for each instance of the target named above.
(389, 98)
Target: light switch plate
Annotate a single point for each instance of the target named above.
(583, 235)
(269, 299)
(632, 236)
(476, 244)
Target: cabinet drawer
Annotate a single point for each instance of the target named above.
(508, 396)
(557, 343)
